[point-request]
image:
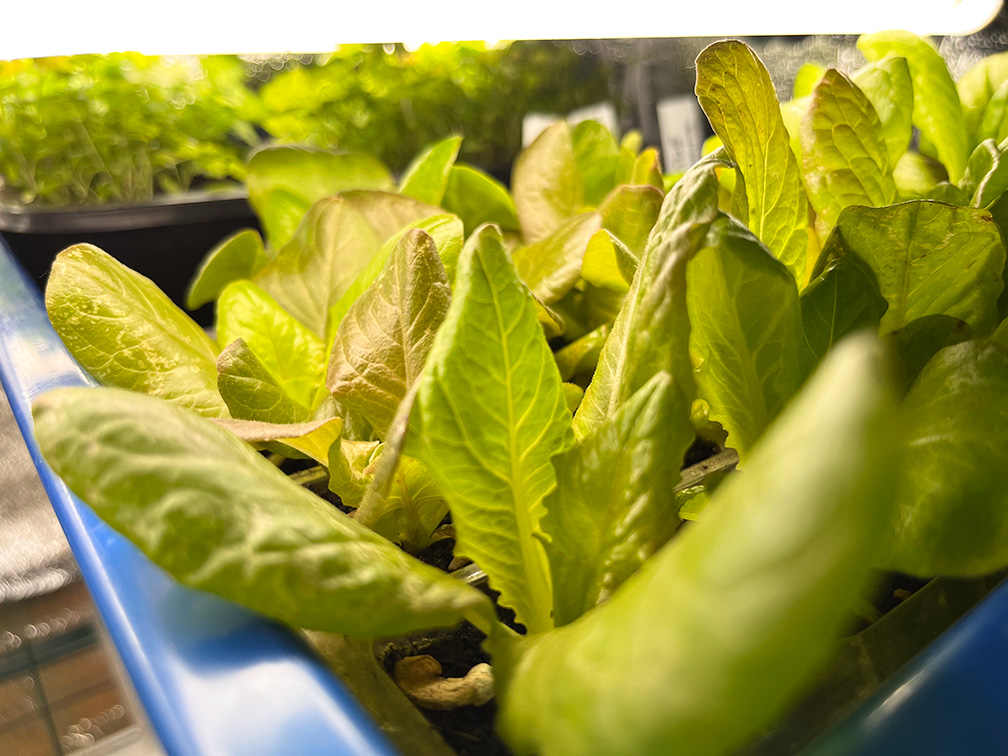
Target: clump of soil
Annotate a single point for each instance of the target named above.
(469, 730)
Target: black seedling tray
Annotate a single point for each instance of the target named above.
(164, 239)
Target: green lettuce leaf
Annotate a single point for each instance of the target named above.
(426, 178)
(612, 508)
(335, 242)
(332, 245)
(844, 298)
(312, 439)
(651, 331)
(552, 323)
(745, 332)
(949, 193)
(929, 258)
(552, 266)
(719, 628)
(994, 121)
(1000, 334)
(251, 391)
(413, 508)
(806, 79)
(573, 394)
(888, 86)
(977, 87)
(490, 413)
(382, 343)
(125, 332)
(395, 494)
(380, 474)
(647, 170)
(389, 213)
(350, 470)
(936, 108)
(738, 97)
(632, 142)
(986, 178)
(608, 263)
(792, 112)
(951, 512)
(597, 157)
(580, 356)
(217, 516)
(447, 233)
(478, 198)
(546, 184)
(917, 176)
(284, 182)
(292, 354)
(913, 345)
(238, 256)
(630, 212)
(844, 158)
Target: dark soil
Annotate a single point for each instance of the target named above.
(469, 730)
(290, 466)
(439, 554)
(700, 450)
(891, 589)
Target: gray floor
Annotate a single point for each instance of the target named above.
(60, 688)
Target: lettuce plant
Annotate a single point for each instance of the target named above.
(904, 242)
(390, 101)
(796, 294)
(122, 127)
(324, 322)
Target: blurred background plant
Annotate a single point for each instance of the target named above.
(122, 127)
(126, 127)
(391, 101)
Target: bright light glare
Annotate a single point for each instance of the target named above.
(62, 27)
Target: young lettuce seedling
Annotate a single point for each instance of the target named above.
(322, 294)
(297, 559)
(905, 243)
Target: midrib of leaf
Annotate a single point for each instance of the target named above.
(904, 293)
(285, 374)
(411, 515)
(539, 584)
(610, 516)
(749, 365)
(764, 197)
(176, 337)
(476, 428)
(832, 325)
(404, 326)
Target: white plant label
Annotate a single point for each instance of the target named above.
(603, 112)
(534, 124)
(680, 126)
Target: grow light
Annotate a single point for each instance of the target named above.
(63, 27)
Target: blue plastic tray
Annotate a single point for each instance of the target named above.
(216, 679)
(213, 677)
(950, 700)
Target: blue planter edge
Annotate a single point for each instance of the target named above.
(213, 677)
(949, 700)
